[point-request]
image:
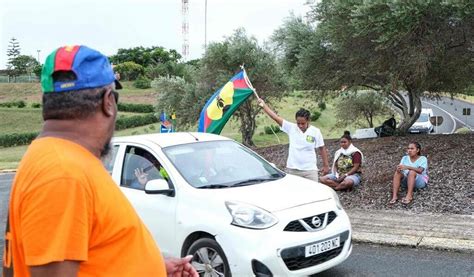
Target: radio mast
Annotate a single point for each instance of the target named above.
(185, 29)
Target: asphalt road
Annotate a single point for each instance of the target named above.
(365, 260)
(374, 260)
(455, 108)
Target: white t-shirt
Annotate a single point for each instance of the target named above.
(301, 154)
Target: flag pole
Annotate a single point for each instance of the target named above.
(247, 81)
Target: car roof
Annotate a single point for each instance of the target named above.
(170, 139)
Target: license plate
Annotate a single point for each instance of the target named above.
(320, 247)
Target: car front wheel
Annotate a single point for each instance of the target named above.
(209, 258)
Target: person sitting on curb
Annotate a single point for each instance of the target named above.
(304, 139)
(346, 168)
(412, 172)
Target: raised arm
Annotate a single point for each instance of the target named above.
(270, 112)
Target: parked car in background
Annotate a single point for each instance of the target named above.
(423, 123)
(213, 198)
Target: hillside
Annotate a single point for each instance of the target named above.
(451, 172)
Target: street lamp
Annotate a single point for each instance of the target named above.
(38, 55)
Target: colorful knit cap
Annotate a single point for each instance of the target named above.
(91, 68)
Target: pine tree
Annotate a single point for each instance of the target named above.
(13, 52)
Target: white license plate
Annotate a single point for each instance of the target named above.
(320, 247)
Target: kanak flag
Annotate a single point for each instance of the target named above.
(223, 103)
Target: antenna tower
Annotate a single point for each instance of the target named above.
(185, 29)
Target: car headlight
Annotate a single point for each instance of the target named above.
(336, 198)
(249, 216)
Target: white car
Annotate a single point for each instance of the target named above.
(423, 123)
(237, 214)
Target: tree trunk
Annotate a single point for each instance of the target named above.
(415, 110)
(248, 124)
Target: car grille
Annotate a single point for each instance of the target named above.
(306, 225)
(294, 257)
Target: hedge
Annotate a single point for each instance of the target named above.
(135, 121)
(16, 139)
(18, 104)
(135, 108)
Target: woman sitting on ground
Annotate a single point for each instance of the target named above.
(346, 167)
(412, 172)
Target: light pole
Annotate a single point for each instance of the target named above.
(38, 55)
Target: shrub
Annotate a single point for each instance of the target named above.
(129, 71)
(21, 104)
(275, 128)
(322, 106)
(16, 139)
(142, 82)
(135, 121)
(36, 105)
(135, 108)
(315, 115)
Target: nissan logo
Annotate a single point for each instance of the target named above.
(316, 221)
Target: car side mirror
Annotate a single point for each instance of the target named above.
(159, 186)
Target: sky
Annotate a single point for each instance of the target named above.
(41, 26)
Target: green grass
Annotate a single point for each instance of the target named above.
(11, 156)
(15, 120)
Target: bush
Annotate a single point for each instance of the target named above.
(11, 104)
(322, 106)
(15, 139)
(21, 104)
(275, 128)
(36, 105)
(129, 71)
(135, 108)
(142, 82)
(315, 115)
(135, 121)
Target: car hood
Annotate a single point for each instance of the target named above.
(287, 192)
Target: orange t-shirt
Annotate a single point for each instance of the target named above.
(65, 206)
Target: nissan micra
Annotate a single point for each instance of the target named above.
(208, 196)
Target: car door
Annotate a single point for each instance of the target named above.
(157, 211)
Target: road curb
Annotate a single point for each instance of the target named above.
(7, 170)
(422, 242)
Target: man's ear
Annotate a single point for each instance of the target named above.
(108, 103)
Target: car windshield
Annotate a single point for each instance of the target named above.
(423, 118)
(220, 164)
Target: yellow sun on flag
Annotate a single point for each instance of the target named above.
(224, 99)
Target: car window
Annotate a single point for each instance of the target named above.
(139, 167)
(109, 159)
(218, 163)
(423, 118)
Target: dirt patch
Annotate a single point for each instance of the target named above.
(451, 172)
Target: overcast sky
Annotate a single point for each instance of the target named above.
(107, 25)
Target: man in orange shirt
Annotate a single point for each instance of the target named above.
(67, 217)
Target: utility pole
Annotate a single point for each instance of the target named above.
(205, 25)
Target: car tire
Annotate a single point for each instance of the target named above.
(209, 258)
